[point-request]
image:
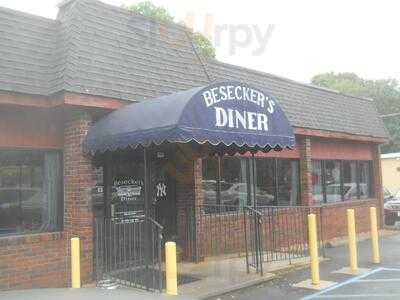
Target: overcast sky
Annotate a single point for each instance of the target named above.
(304, 38)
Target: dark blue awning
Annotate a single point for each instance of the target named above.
(226, 113)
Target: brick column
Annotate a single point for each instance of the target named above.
(188, 191)
(306, 186)
(378, 189)
(79, 178)
(199, 212)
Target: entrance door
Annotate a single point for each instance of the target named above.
(163, 196)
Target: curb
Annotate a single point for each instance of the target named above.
(267, 277)
(233, 288)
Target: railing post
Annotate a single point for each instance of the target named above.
(245, 240)
(260, 248)
(160, 237)
(321, 227)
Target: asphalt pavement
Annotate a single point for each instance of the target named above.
(375, 282)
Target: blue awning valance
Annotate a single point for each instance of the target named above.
(226, 113)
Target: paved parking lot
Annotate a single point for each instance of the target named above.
(378, 282)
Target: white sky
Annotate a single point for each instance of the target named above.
(309, 36)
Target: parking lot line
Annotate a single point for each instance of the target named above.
(357, 296)
(346, 282)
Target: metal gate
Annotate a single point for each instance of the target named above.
(128, 252)
(275, 233)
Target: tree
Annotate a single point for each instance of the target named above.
(159, 13)
(385, 92)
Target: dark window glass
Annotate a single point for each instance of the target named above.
(234, 188)
(288, 182)
(342, 180)
(265, 177)
(317, 181)
(349, 180)
(332, 181)
(209, 181)
(234, 172)
(365, 179)
(30, 192)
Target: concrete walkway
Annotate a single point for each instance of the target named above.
(219, 276)
(84, 294)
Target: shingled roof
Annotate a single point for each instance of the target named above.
(99, 49)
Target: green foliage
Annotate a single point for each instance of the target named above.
(203, 45)
(148, 9)
(159, 13)
(385, 92)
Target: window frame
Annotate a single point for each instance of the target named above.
(371, 189)
(60, 197)
(250, 185)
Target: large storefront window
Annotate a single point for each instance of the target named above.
(336, 180)
(233, 184)
(349, 180)
(228, 182)
(210, 178)
(365, 189)
(288, 182)
(332, 181)
(317, 181)
(30, 192)
(266, 182)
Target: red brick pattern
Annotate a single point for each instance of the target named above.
(31, 261)
(79, 178)
(42, 260)
(306, 187)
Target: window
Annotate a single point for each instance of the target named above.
(209, 181)
(288, 182)
(317, 181)
(30, 192)
(228, 182)
(265, 178)
(365, 189)
(332, 181)
(336, 180)
(234, 177)
(349, 180)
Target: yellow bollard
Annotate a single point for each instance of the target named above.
(374, 236)
(171, 268)
(75, 263)
(313, 248)
(351, 229)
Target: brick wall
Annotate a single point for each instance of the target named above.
(79, 178)
(33, 261)
(306, 188)
(42, 260)
(334, 219)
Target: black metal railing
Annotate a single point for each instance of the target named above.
(280, 233)
(128, 252)
(261, 234)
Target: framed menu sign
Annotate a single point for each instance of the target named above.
(127, 199)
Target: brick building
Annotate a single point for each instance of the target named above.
(59, 77)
